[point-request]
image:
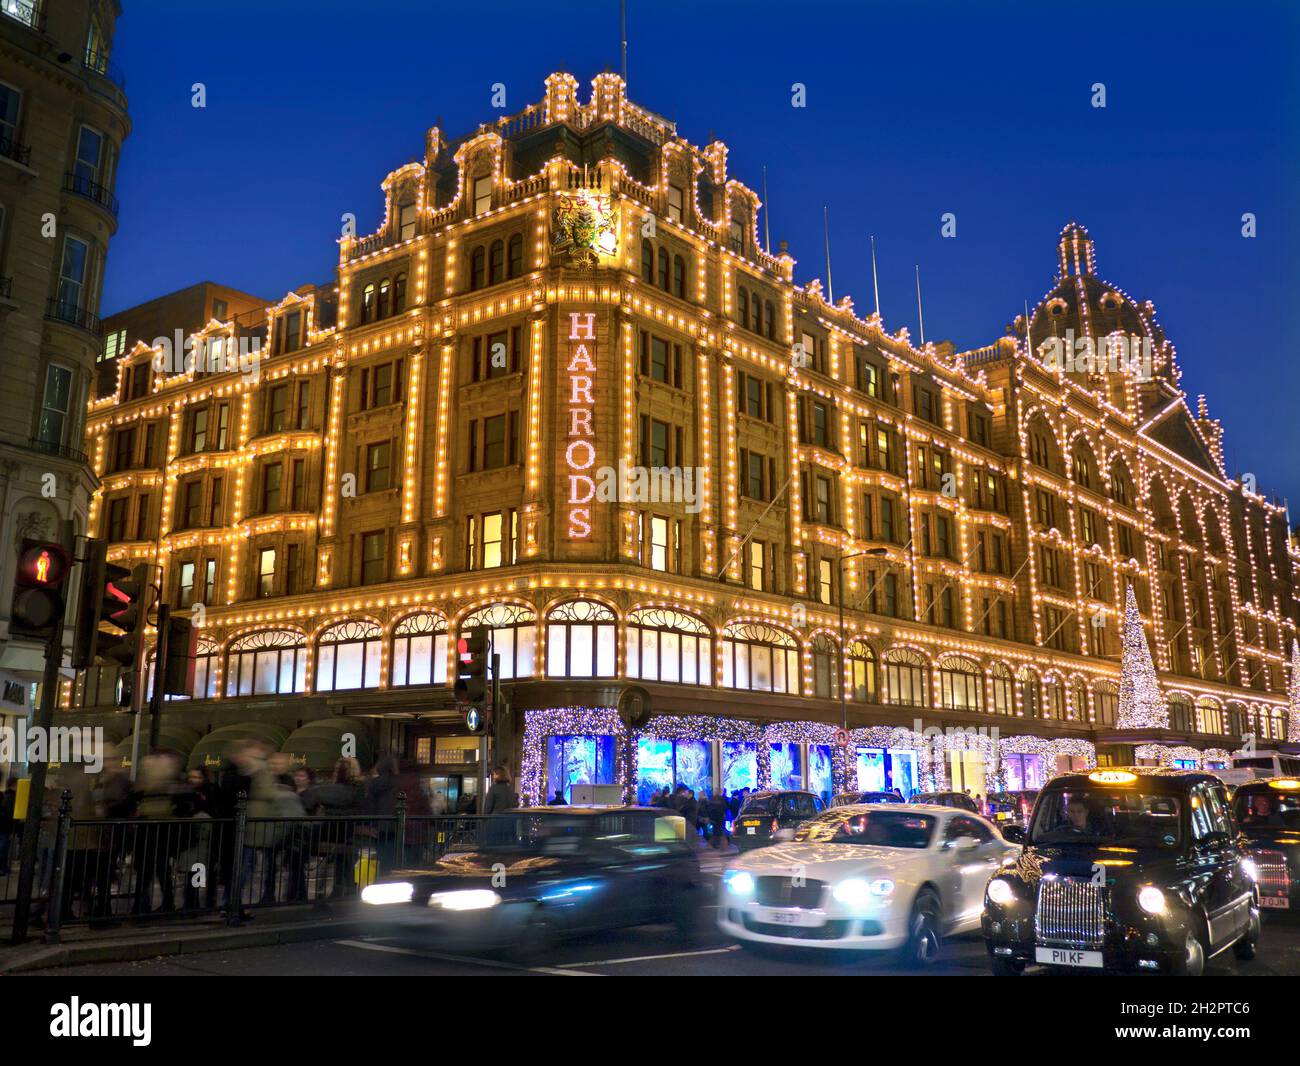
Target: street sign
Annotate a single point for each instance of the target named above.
(841, 738)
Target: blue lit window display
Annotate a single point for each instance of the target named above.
(739, 765)
(886, 769)
(1023, 771)
(819, 770)
(669, 763)
(787, 766)
(578, 760)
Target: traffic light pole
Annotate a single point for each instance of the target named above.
(140, 670)
(161, 651)
(36, 791)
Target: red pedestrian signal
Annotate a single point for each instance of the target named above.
(38, 603)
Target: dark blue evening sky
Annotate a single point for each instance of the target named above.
(915, 108)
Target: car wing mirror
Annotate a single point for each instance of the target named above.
(964, 843)
(1013, 834)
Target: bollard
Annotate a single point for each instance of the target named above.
(235, 899)
(400, 851)
(54, 916)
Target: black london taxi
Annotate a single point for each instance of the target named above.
(538, 875)
(853, 799)
(1268, 813)
(1135, 869)
(770, 816)
(959, 800)
(1011, 808)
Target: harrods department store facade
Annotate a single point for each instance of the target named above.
(423, 445)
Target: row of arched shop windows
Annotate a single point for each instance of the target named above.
(580, 639)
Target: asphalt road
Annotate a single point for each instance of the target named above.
(645, 951)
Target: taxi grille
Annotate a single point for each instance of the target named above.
(1070, 912)
(1274, 878)
(781, 892)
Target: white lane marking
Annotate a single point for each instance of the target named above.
(468, 959)
(651, 958)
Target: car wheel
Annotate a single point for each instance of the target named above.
(539, 936)
(1192, 964)
(924, 931)
(1248, 946)
(1006, 967)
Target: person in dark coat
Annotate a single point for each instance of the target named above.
(8, 800)
(690, 810)
(344, 795)
(719, 812)
(558, 799)
(501, 796)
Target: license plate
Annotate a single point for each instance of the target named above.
(755, 823)
(1279, 902)
(750, 830)
(1067, 957)
(783, 916)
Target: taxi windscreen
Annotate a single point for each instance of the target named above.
(1107, 817)
(1267, 810)
(888, 829)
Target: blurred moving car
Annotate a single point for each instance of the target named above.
(872, 877)
(1268, 814)
(958, 800)
(771, 815)
(542, 874)
(1011, 808)
(850, 799)
(1124, 870)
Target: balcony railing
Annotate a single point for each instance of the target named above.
(98, 62)
(12, 149)
(28, 12)
(62, 311)
(43, 447)
(91, 190)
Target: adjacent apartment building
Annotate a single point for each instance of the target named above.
(565, 393)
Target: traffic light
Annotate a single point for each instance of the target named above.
(38, 603)
(181, 646)
(112, 596)
(471, 669)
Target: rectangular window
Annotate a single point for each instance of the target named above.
(675, 203)
(406, 218)
(825, 580)
(215, 509)
(185, 585)
(272, 475)
(378, 465)
(56, 404)
(482, 194)
(192, 504)
(73, 268)
(223, 425)
(887, 520)
(143, 530)
(199, 429)
(757, 571)
(373, 557)
(277, 408)
(756, 465)
(303, 420)
(492, 530)
(266, 572)
(298, 488)
(11, 100)
(823, 512)
(116, 525)
(292, 570)
(209, 580)
(494, 442)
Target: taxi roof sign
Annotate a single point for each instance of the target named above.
(1287, 784)
(1112, 777)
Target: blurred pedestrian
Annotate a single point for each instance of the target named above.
(8, 801)
(501, 796)
(558, 799)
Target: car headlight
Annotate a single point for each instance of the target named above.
(467, 899)
(855, 891)
(1249, 868)
(739, 882)
(1152, 900)
(388, 892)
(1000, 891)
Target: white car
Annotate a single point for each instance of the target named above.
(868, 877)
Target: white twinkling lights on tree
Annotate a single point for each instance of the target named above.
(1141, 703)
(1293, 695)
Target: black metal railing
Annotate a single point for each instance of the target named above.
(28, 12)
(63, 311)
(98, 63)
(43, 447)
(80, 185)
(11, 148)
(107, 870)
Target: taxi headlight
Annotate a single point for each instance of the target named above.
(388, 892)
(467, 899)
(739, 882)
(1152, 900)
(1000, 891)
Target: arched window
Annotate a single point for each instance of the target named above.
(268, 662)
(665, 645)
(477, 268)
(960, 685)
(420, 650)
(368, 304)
(742, 306)
(905, 678)
(1105, 702)
(348, 656)
(1237, 720)
(1078, 703)
(1121, 486)
(663, 269)
(825, 655)
(1029, 695)
(647, 261)
(1209, 716)
(1279, 725)
(581, 640)
(399, 293)
(756, 314)
(496, 262)
(1004, 701)
(1053, 699)
(1082, 467)
(769, 320)
(759, 658)
(862, 672)
(1182, 717)
(385, 290)
(679, 276)
(512, 635)
(515, 256)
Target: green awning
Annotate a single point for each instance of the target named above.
(179, 740)
(319, 744)
(215, 746)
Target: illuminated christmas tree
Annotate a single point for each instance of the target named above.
(1141, 703)
(1293, 695)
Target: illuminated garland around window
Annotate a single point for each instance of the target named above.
(1293, 695)
(567, 721)
(1166, 756)
(1141, 704)
(1048, 749)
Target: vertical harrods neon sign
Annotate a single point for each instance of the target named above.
(580, 451)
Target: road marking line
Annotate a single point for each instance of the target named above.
(493, 963)
(650, 958)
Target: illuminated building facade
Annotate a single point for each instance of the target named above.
(563, 391)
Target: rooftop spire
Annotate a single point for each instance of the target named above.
(1075, 253)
